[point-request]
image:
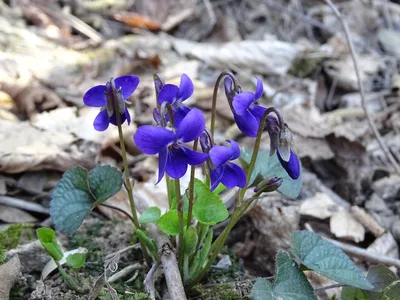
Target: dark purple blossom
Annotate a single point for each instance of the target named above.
(173, 156)
(175, 95)
(248, 114)
(292, 165)
(111, 98)
(228, 173)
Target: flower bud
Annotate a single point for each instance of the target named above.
(158, 83)
(269, 184)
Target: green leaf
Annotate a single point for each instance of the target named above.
(200, 258)
(68, 210)
(104, 182)
(190, 240)
(269, 166)
(169, 222)
(208, 208)
(47, 238)
(151, 214)
(291, 283)
(262, 290)
(76, 260)
(326, 259)
(392, 292)
(78, 192)
(352, 293)
(381, 276)
(149, 243)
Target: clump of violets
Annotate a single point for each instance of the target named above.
(111, 99)
(180, 138)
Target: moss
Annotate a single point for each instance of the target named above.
(9, 238)
(221, 292)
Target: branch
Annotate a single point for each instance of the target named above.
(168, 260)
(365, 254)
(371, 124)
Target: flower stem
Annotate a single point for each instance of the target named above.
(170, 197)
(72, 284)
(129, 186)
(214, 99)
(256, 148)
(191, 188)
(219, 242)
(180, 216)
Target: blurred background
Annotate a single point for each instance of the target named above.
(52, 52)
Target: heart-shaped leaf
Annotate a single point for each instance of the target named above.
(269, 166)
(208, 208)
(78, 192)
(169, 222)
(326, 259)
(290, 282)
(151, 214)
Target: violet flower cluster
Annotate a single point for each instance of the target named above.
(177, 125)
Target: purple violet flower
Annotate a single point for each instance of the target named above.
(248, 114)
(176, 95)
(292, 165)
(229, 174)
(173, 156)
(111, 98)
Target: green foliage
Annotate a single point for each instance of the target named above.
(9, 238)
(76, 260)
(151, 214)
(326, 259)
(290, 282)
(190, 240)
(78, 192)
(47, 238)
(208, 208)
(148, 242)
(381, 278)
(201, 256)
(269, 166)
(169, 222)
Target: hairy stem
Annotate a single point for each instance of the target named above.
(129, 186)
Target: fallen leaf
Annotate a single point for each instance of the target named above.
(25, 147)
(136, 20)
(320, 206)
(344, 225)
(9, 273)
(14, 215)
(385, 245)
(265, 57)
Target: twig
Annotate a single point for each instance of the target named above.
(19, 203)
(365, 254)
(170, 265)
(151, 278)
(367, 221)
(298, 15)
(361, 87)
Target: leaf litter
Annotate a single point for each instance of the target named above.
(50, 57)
